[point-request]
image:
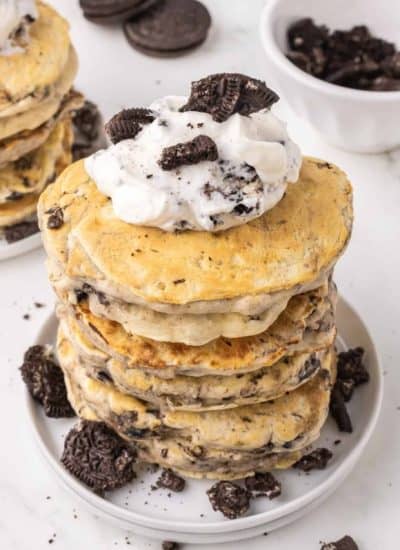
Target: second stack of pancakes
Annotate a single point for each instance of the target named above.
(213, 353)
(38, 65)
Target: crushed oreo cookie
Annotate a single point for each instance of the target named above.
(98, 457)
(339, 411)
(345, 543)
(168, 545)
(170, 480)
(351, 372)
(350, 367)
(263, 485)
(316, 460)
(19, 231)
(222, 95)
(201, 148)
(89, 134)
(230, 499)
(128, 123)
(56, 218)
(352, 58)
(45, 382)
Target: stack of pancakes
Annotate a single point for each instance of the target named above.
(36, 102)
(213, 353)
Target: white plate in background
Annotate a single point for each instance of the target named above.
(18, 248)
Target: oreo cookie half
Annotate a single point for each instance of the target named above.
(45, 382)
(169, 28)
(114, 11)
(98, 457)
(222, 95)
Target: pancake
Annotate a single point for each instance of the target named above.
(29, 120)
(194, 393)
(306, 326)
(291, 422)
(290, 245)
(29, 77)
(15, 211)
(31, 174)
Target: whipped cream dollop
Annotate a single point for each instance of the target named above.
(256, 161)
(15, 17)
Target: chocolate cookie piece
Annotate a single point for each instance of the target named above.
(338, 410)
(169, 28)
(168, 545)
(114, 11)
(89, 135)
(316, 460)
(263, 485)
(346, 543)
(199, 149)
(350, 366)
(353, 58)
(222, 95)
(19, 231)
(56, 218)
(230, 499)
(45, 382)
(98, 457)
(128, 123)
(170, 480)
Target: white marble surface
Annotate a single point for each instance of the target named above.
(33, 507)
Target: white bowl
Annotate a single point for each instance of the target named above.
(354, 120)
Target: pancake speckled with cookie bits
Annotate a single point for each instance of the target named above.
(193, 265)
(38, 65)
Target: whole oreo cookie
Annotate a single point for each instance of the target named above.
(98, 457)
(45, 382)
(222, 95)
(114, 11)
(169, 28)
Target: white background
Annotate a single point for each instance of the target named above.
(367, 506)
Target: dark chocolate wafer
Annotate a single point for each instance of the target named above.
(98, 457)
(169, 28)
(114, 11)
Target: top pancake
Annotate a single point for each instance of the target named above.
(26, 77)
(288, 246)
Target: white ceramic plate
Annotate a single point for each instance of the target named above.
(154, 514)
(23, 246)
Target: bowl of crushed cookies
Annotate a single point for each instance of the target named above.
(338, 66)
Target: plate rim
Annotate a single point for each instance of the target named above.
(131, 517)
(23, 246)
